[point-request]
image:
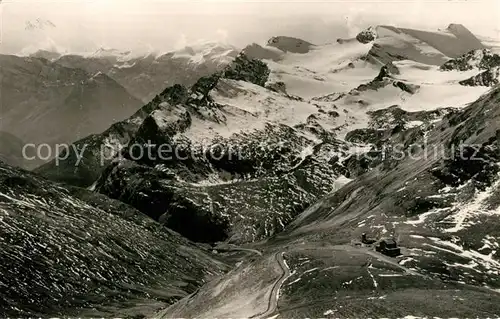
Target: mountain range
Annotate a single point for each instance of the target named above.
(66, 98)
(286, 154)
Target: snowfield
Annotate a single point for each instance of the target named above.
(324, 69)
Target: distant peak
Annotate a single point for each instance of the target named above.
(368, 35)
(39, 24)
(281, 38)
(454, 26)
(102, 51)
(203, 51)
(290, 44)
(46, 54)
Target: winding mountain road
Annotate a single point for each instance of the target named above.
(274, 295)
(231, 247)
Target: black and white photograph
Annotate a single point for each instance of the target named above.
(249, 159)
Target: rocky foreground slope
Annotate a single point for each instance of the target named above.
(72, 252)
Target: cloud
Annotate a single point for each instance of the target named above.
(182, 42)
(222, 35)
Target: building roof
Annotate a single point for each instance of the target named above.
(389, 241)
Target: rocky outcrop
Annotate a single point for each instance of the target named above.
(84, 162)
(249, 70)
(367, 36)
(146, 76)
(279, 87)
(391, 133)
(381, 80)
(466, 37)
(482, 59)
(448, 234)
(154, 192)
(384, 78)
(490, 77)
(266, 168)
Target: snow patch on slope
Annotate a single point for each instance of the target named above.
(199, 53)
(248, 107)
(464, 212)
(323, 69)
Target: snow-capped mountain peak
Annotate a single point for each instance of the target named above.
(106, 52)
(40, 24)
(200, 52)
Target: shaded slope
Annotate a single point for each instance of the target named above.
(73, 252)
(11, 150)
(460, 41)
(99, 151)
(44, 102)
(471, 42)
(477, 60)
(490, 77)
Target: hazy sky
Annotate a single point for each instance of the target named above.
(147, 25)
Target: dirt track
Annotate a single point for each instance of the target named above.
(273, 297)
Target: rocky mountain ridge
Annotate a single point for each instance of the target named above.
(479, 60)
(275, 170)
